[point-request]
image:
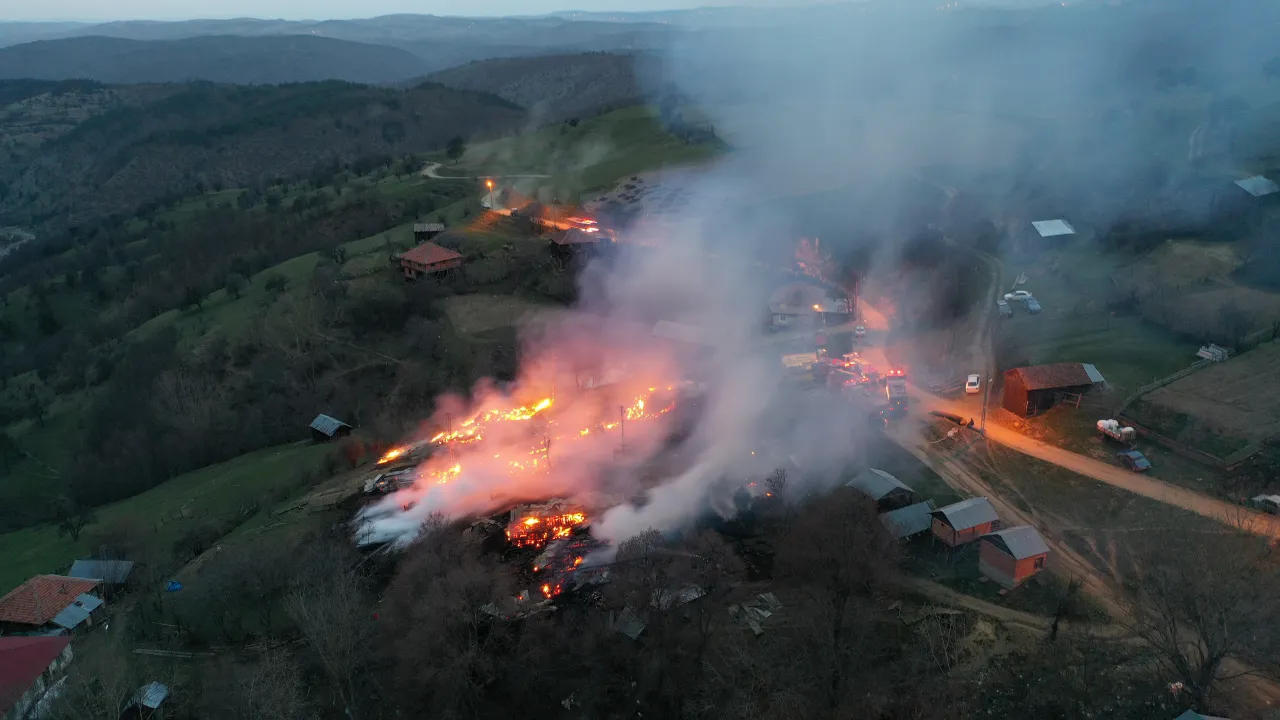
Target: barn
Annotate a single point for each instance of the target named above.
(325, 428)
(886, 490)
(1011, 556)
(963, 522)
(1032, 390)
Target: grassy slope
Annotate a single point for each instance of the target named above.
(218, 493)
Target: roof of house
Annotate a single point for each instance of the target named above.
(967, 513)
(1021, 542)
(1053, 228)
(23, 660)
(575, 236)
(429, 253)
(112, 572)
(1258, 186)
(908, 521)
(327, 425)
(151, 695)
(77, 612)
(876, 483)
(40, 599)
(428, 227)
(1193, 715)
(1057, 375)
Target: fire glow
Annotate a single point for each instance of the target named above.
(536, 532)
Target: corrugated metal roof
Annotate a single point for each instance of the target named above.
(908, 521)
(77, 612)
(1053, 228)
(1022, 542)
(967, 513)
(327, 425)
(113, 572)
(1056, 375)
(151, 695)
(23, 660)
(1258, 186)
(876, 483)
(1193, 715)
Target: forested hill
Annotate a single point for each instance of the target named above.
(84, 151)
(218, 58)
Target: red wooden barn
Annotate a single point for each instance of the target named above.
(1011, 556)
(963, 522)
(428, 258)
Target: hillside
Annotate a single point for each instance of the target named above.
(556, 87)
(218, 58)
(113, 150)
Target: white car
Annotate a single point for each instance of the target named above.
(972, 384)
(1019, 295)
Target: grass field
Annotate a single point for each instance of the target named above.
(219, 494)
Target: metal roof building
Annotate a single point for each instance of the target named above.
(877, 484)
(77, 612)
(325, 428)
(1029, 390)
(1053, 228)
(1021, 542)
(1193, 715)
(967, 513)
(908, 521)
(110, 572)
(1258, 186)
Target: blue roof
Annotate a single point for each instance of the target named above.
(328, 425)
(77, 612)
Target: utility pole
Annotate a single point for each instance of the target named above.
(622, 427)
(449, 430)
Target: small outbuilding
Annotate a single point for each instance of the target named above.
(325, 428)
(427, 259)
(110, 573)
(423, 232)
(1031, 390)
(1053, 228)
(887, 491)
(963, 522)
(1258, 186)
(908, 521)
(1193, 715)
(1011, 556)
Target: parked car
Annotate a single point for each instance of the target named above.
(859, 332)
(1019, 295)
(1134, 460)
(1002, 307)
(1033, 306)
(972, 384)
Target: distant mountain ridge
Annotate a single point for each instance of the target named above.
(216, 58)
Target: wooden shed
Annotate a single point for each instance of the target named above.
(963, 522)
(1031, 390)
(1011, 556)
(325, 428)
(887, 491)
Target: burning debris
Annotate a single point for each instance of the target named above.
(533, 526)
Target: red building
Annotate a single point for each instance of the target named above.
(1011, 556)
(1031, 390)
(29, 666)
(963, 522)
(428, 258)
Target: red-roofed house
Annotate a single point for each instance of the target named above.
(428, 258)
(48, 601)
(28, 666)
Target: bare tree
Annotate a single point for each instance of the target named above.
(334, 612)
(1199, 602)
(270, 688)
(99, 683)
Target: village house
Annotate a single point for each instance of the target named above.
(963, 522)
(29, 667)
(800, 303)
(49, 604)
(325, 428)
(1011, 556)
(886, 490)
(1031, 390)
(427, 259)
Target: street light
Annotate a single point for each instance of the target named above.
(488, 183)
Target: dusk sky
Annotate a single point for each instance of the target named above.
(321, 9)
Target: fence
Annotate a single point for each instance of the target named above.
(1228, 463)
(1159, 384)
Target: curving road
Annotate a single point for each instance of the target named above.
(432, 171)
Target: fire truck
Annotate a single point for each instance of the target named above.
(895, 391)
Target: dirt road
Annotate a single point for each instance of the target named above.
(432, 171)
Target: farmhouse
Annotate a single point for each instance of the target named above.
(325, 428)
(28, 667)
(574, 237)
(963, 522)
(1032, 390)
(49, 604)
(804, 302)
(908, 521)
(1011, 556)
(428, 258)
(886, 490)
